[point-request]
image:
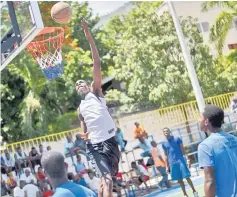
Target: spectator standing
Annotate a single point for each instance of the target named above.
(41, 149)
(160, 165)
(233, 105)
(120, 139)
(176, 162)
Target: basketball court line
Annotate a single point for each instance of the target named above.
(176, 191)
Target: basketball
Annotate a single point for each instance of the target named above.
(61, 13)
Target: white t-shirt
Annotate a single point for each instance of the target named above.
(141, 170)
(31, 190)
(28, 179)
(18, 192)
(99, 122)
(10, 162)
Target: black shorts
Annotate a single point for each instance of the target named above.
(106, 155)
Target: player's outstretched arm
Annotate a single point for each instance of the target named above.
(97, 76)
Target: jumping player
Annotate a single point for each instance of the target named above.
(97, 124)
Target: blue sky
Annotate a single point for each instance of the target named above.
(105, 7)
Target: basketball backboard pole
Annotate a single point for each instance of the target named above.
(25, 23)
(187, 58)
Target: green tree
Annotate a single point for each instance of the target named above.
(38, 105)
(147, 57)
(223, 22)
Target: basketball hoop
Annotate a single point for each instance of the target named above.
(46, 49)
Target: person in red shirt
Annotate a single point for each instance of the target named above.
(40, 175)
(46, 192)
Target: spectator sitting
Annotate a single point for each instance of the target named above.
(34, 158)
(3, 166)
(139, 132)
(31, 190)
(120, 139)
(22, 161)
(77, 179)
(141, 162)
(46, 192)
(49, 148)
(69, 149)
(40, 175)
(18, 191)
(142, 175)
(93, 182)
(28, 177)
(80, 143)
(145, 146)
(11, 183)
(80, 167)
(9, 162)
(41, 149)
(4, 190)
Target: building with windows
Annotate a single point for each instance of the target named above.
(189, 8)
(204, 22)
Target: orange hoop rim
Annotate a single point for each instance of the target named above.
(48, 30)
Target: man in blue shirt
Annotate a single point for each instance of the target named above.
(175, 161)
(145, 145)
(217, 155)
(53, 164)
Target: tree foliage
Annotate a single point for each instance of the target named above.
(147, 57)
(33, 105)
(220, 29)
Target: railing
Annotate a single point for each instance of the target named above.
(27, 144)
(169, 116)
(173, 115)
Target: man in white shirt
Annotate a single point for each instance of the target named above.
(28, 177)
(142, 175)
(18, 191)
(97, 124)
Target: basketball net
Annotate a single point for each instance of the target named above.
(46, 48)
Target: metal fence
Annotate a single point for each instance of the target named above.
(169, 116)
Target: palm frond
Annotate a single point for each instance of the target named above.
(232, 5)
(220, 29)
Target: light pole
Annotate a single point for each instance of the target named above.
(187, 59)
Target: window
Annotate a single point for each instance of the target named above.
(205, 26)
(199, 27)
(232, 46)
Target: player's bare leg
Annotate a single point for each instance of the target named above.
(107, 186)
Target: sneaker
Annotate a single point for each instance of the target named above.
(195, 194)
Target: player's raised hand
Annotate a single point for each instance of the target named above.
(85, 28)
